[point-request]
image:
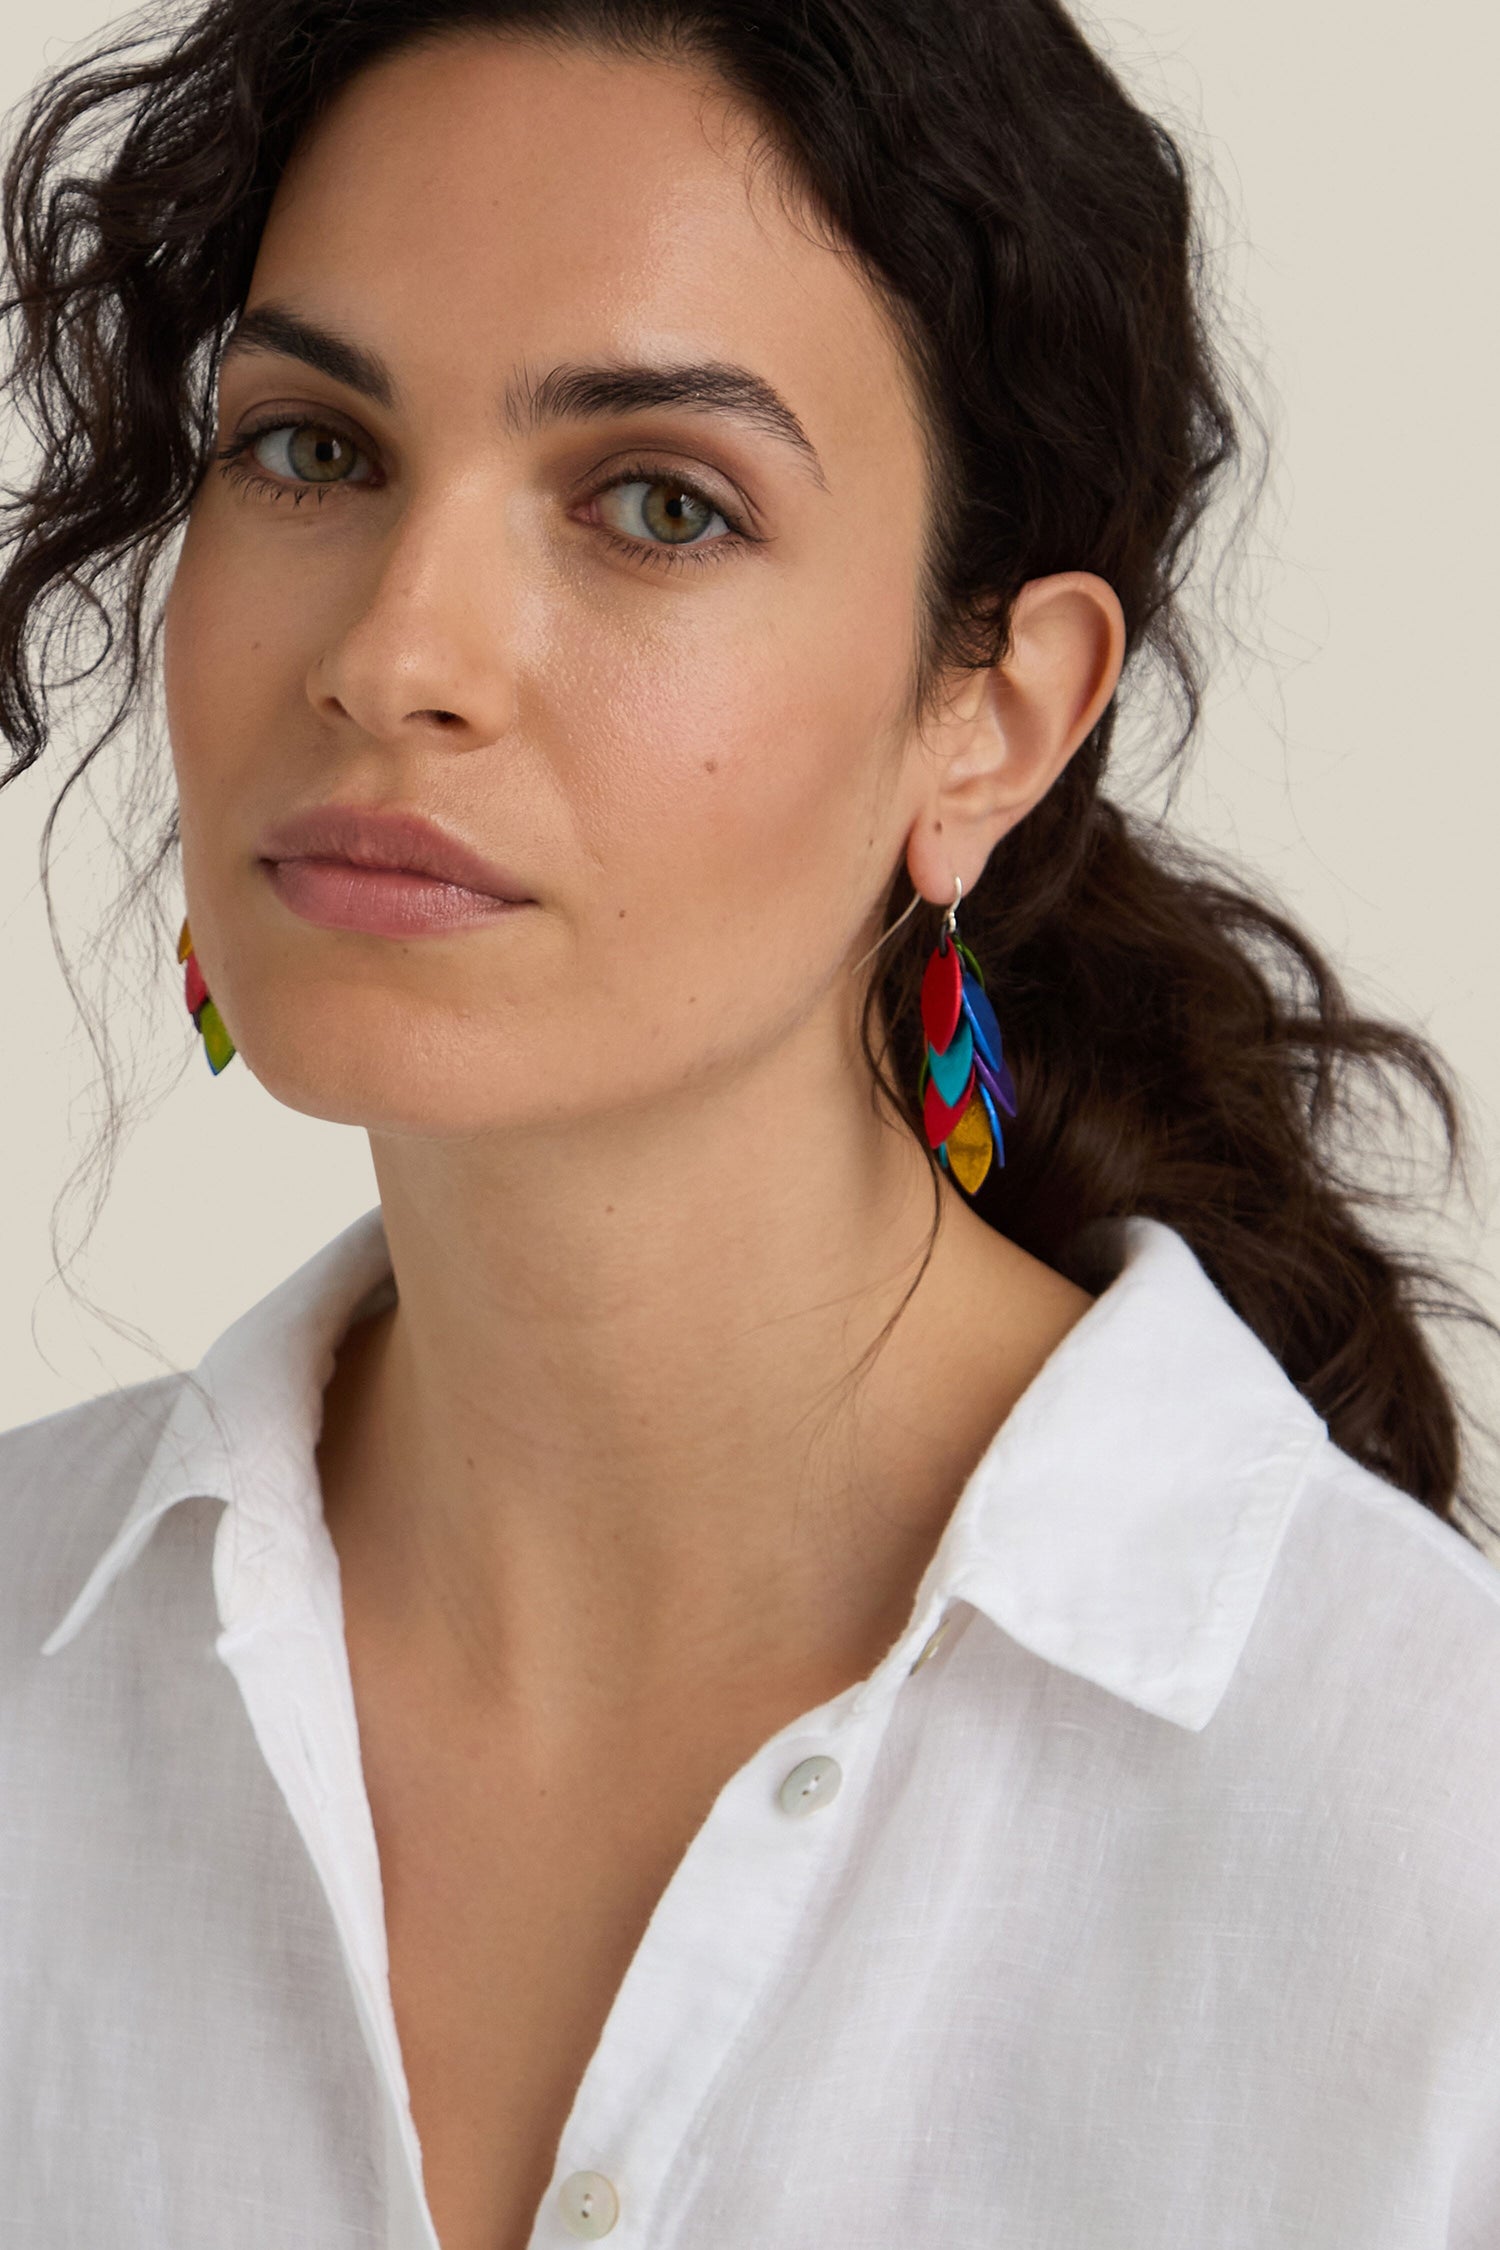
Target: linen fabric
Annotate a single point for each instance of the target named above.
(1152, 1905)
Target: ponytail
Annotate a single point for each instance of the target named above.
(1183, 1052)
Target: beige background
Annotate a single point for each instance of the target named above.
(1348, 752)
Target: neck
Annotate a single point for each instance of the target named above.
(611, 1438)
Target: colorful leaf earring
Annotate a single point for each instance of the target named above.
(965, 1077)
(217, 1044)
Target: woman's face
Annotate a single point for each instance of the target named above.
(678, 719)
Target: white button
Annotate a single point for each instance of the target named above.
(815, 1782)
(930, 1644)
(590, 2205)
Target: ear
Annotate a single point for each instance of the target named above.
(1008, 731)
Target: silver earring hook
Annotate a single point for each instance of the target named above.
(879, 942)
(916, 900)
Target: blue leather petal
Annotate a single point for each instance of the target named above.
(995, 1132)
(981, 1017)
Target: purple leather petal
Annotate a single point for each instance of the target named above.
(997, 1082)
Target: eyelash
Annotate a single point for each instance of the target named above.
(234, 466)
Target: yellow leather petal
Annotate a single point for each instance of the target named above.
(971, 1146)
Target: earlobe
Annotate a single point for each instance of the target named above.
(1010, 733)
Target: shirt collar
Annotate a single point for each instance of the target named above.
(1122, 1524)
(1126, 1518)
(244, 1426)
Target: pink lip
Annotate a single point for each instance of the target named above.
(391, 874)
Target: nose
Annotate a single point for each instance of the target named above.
(424, 652)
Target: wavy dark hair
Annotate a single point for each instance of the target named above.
(1182, 1049)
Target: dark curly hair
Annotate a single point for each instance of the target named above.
(1182, 1049)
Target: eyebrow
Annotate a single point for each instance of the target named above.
(568, 392)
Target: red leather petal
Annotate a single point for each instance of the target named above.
(942, 997)
(938, 1120)
(195, 988)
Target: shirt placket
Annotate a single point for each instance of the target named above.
(285, 1674)
(720, 1936)
(720, 1930)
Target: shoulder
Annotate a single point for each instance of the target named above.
(66, 1482)
(1374, 1670)
(1410, 1561)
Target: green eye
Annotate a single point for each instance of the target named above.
(311, 453)
(662, 508)
(675, 513)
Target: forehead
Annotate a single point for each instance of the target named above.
(483, 201)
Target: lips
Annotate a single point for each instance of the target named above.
(393, 841)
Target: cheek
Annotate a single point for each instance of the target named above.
(730, 802)
(233, 640)
(233, 659)
(748, 766)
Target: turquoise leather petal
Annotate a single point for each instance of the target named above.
(950, 1069)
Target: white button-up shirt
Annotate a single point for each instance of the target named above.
(1145, 1895)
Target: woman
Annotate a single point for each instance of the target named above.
(841, 1620)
